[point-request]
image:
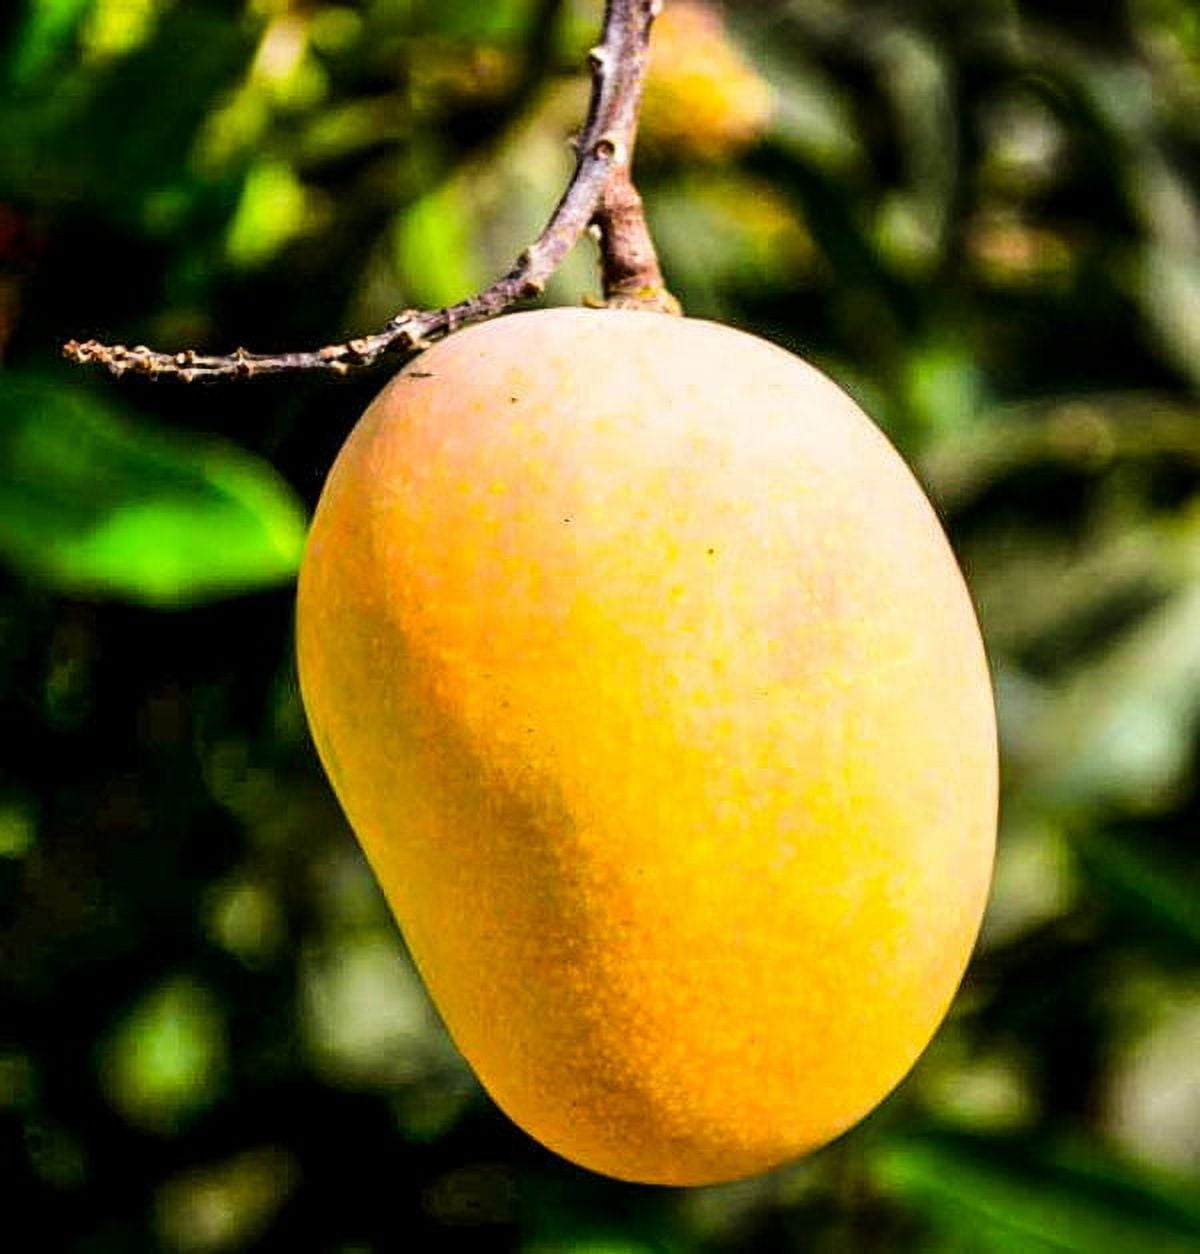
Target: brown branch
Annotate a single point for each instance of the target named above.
(604, 149)
(628, 262)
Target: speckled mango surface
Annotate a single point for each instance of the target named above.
(644, 672)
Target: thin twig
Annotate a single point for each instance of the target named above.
(604, 150)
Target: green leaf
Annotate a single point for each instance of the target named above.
(1157, 892)
(18, 829)
(272, 212)
(45, 32)
(943, 385)
(1082, 435)
(1121, 727)
(1169, 290)
(912, 224)
(96, 503)
(1007, 1195)
(95, 143)
(497, 22)
(165, 1061)
(434, 246)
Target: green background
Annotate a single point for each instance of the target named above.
(982, 218)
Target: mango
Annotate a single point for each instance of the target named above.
(645, 674)
(703, 99)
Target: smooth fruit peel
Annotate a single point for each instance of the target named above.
(646, 676)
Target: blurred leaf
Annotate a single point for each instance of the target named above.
(459, 234)
(1005, 1195)
(1102, 614)
(273, 210)
(109, 135)
(497, 21)
(1035, 878)
(48, 27)
(812, 116)
(1122, 726)
(116, 27)
(1163, 895)
(225, 1205)
(165, 1060)
(1087, 434)
(1169, 289)
(18, 829)
(722, 231)
(914, 74)
(942, 385)
(1152, 1100)
(591, 1245)
(96, 503)
(434, 246)
(1053, 601)
(367, 1018)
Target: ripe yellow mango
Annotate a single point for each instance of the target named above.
(645, 674)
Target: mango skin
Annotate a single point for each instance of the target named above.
(645, 675)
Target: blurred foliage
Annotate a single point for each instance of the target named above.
(983, 219)
(92, 504)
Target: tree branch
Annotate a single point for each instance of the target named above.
(600, 191)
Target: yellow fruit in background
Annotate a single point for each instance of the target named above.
(702, 98)
(648, 680)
